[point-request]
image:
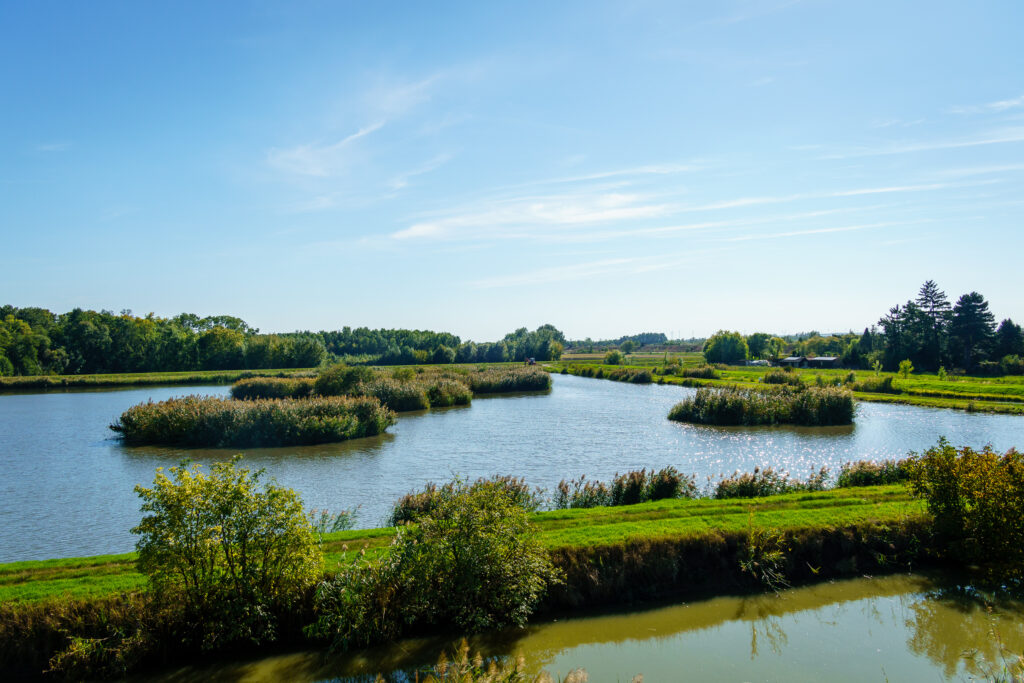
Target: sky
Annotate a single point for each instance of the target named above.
(607, 167)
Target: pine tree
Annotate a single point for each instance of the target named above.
(1009, 340)
(972, 328)
(934, 317)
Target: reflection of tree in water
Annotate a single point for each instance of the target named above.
(771, 630)
(958, 626)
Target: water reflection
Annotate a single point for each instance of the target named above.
(896, 628)
(68, 485)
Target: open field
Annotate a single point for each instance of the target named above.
(982, 394)
(561, 531)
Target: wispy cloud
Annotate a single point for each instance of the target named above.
(979, 170)
(402, 179)
(995, 137)
(989, 107)
(53, 147)
(318, 159)
(820, 231)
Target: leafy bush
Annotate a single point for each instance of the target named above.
(398, 395)
(736, 406)
(877, 385)
(975, 498)
(1012, 365)
(448, 392)
(726, 347)
(636, 486)
(870, 473)
(699, 372)
(272, 387)
(614, 358)
(473, 563)
(767, 482)
(205, 421)
(906, 367)
(410, 507)
(782, 376)
(231, 554)
(341, 379)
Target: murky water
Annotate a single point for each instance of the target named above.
(894, 628)
(66, 485)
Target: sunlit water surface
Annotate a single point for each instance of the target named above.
(66, 484)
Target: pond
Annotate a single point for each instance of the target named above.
(892, 628)
(66, 484)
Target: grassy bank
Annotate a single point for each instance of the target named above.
(142, 379)
(561, 530)
(981, 394)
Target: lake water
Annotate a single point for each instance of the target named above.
(66, 484)
(892, 628)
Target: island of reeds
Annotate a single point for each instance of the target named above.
(340, 403)
(808, 406)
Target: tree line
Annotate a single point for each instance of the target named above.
(928, 331)
(36, 341)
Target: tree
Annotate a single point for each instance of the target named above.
(613, 358)
(627, 346)
(906, 367)
(1009, 340)
(757, 344)
(725, 347)
(230, 554)
(972, 328)
(935, 315)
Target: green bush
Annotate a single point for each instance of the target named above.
(782, 376)
(767, 482)
(210, 422)
(870, 473)
(614, 358)
(877, 385)
(398, 395)
(473, 563)
(448, 392)
(1012, 365)
(231, 554)
(272, 387)
(736, 406)
(341, 379)
(412, 506)
(636, 486)
(698, 372)
(977, 501)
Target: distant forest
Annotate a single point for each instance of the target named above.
(928, 330)
(35, 341)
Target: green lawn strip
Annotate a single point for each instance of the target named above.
(108, 574)
(141, 378)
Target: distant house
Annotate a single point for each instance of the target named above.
(794, 361)
(758, 363)
(812, 362)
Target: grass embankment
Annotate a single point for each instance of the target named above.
(569, 534)
(220, 423)
(977, 394)
(142, 379)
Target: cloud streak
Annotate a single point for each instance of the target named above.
(318, 160)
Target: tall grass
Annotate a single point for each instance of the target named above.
(877, 385)
(767, 482)
(814, 406)
(416, 504)
(699, 372)
(508, 379)
(782, 376)
(870, 473)
(212, 422)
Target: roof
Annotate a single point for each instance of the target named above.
(829, 358)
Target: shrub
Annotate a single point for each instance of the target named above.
(782, 376)
(613, 358)
(448, 392)
(400, 396)
(508, 379)
(632, 375)
(412, 506)
(877, 385)
(204, 421)
(341, 379)
(699, 372)
(1012, 365)
(976, 502)
(768, 482)
(272, 387)
(473, 563)
(637, 486)
(735, 406)
(231, 554)
(870, 473)
(906, 367)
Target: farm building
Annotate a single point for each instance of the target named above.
(812, 361)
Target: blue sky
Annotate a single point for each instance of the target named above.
(609, 168)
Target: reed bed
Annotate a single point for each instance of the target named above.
(813, 406)
(782, 376)
(196, 421)
(635, 486)
(870, 473)
(508, 379)
(617, 374)
(768, 482)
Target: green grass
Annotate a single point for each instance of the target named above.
(574, 528)
(142, 378)
(981, 394)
